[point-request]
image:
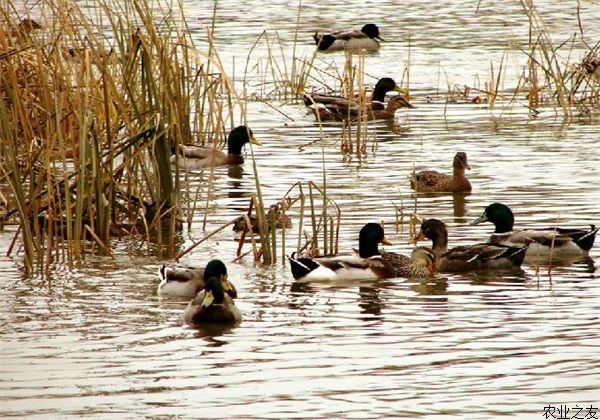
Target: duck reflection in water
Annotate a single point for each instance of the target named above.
(370, 303)
(459, 207)
(213, 334)
(427, 288)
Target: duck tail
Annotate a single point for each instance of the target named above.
(583, 238)
(308, 100)
(301, 267)
(517, 254)
(163, 272)
(317, 38)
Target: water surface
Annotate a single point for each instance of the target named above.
(96, 341)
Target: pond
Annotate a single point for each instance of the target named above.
(96, 341)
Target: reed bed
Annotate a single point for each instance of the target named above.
(89, 116)
(551, 77)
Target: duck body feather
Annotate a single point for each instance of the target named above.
(180, 282)
(343, 267)
(186, 282)
(354, 40)
(197, 312)
(201, 157)
(481, 257)
(543, 242)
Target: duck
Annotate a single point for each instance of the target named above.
(564, 241)
(274, 215)
(369, 264)
(433, 181)
(340, 111)
(212, 306)
(184, 282)
(420, 264)
(482, 256)
(376, 100)
(199, 157)
(23, 28)
(366, 39)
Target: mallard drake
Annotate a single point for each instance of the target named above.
(366, 39)
(212, 306)
(187, 282)
(198, 157)
(565, 241)
(340, 112)
(376, 100)
(369, 264)
(469, 257)
(432, 181)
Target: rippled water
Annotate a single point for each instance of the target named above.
(96, 341)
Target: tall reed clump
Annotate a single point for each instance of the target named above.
(89, 116)
(552, 78)
(317, 215)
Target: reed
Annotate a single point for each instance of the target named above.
(89, 116)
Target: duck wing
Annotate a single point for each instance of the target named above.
(349, 267)
(348, 35)
(315, 98)
(482, 256)
(428, 180)
(559, 238)
(181, 274)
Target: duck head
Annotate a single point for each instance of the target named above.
(500, 215)
(370, 236)
(460, 161)
(218, 270)
(214, 294)
(371, 30)
(238, 137)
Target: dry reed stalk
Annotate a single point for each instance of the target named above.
(109, 103)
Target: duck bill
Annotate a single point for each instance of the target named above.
(402, 91)
(420, 237)
(467, 166)
(431, 268)
(228, 287)
(256, 141)
(208, 299)
(386, 241)
(480, 219)
(380, 38)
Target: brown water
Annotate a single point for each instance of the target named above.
(96, 341)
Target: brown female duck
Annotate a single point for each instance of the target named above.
(432, 181)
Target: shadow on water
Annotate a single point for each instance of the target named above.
(213, 334)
